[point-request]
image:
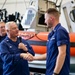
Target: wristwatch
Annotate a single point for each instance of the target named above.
(55, 73)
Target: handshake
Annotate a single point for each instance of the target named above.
(27, 55)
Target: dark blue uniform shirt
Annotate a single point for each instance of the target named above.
(56, 38)
(10, 54)
(1, 63)
(2, 38)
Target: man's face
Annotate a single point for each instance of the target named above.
(48, 20)
(13, 30)
(2, 29)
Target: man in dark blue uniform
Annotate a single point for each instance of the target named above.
(2, 37)
(15, 52)
(2, 31)
(58, 46)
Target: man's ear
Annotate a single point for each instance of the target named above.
(52, 18)
(7, 30)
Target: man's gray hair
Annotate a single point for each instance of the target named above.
(8, 24)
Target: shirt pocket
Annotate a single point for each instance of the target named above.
(13, 49)
(51, 44)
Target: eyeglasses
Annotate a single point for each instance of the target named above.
(2, 27)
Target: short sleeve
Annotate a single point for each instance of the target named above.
(62, 37)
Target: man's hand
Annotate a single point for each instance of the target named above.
(22, 46)
(27, 56)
